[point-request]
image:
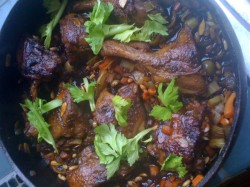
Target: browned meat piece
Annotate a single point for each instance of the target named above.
(90, 171)
(68, 120)
(192, 84)
(73, 36)
(35, 62)
(177, 58)
(105, 112)
(136, 114)
(185, 138)
(142, 46)
(134, 11)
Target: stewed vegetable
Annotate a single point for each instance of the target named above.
(140, 92)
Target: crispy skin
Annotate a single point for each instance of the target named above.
(186, 135)
(35, 62)
(105, 112)
(175, 59)
(192, 84)
(73, 37)
(70, 122)
(90, 171)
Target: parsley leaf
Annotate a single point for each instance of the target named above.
(36, 110)
(112, 147)
(109, 146)
(121, 110)
(98, 32)
(95, 38)
(127, 35)
(151, 27)
(88, 94)
(161, 113)
(98, 29)
(174, 163)
(169, 99)
(133, 147)
(101, 12)
(158, 18)
(55, 8)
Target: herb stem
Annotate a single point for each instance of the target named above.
(51, 105)
(54, 23)
(112, 30)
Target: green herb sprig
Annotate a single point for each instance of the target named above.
(174, 163)
(35, 117)
(98, 29)
(121, 110)
(86, 94)
(112, 147)
(55, 8)
(169, 99)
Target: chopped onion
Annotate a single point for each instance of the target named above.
(123, 3)
(217, 132)
(217, 142)
(215, 100)
(216, 117)
(192, 22)
(213, 87)
(219, 108)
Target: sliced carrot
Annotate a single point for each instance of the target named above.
(224, 121)
(229, 106)
(166, 129)
(176, 183)
(145, 95)
(152, 91)
(105, 63)
(197, 179)
(227, 94)
(154, 170)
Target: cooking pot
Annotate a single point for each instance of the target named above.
(24, 18)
